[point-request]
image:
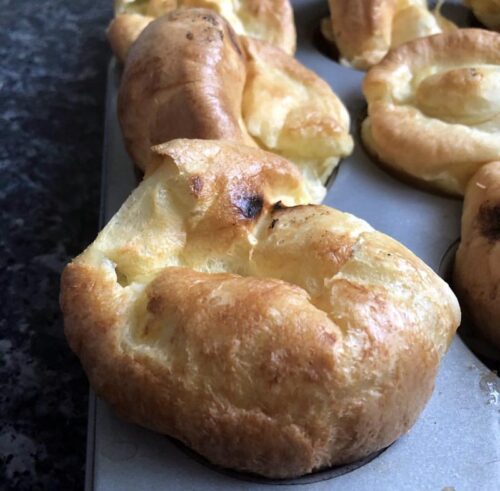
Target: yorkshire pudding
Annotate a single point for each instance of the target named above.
(477, 265)
(365, 30)
(269, 339)
(269, 20)
(487, 11)
(189, 76)
(434, 107)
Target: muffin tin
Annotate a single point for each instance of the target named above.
(455, 444)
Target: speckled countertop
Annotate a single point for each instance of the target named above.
(52, 86)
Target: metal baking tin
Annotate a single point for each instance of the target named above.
(456, 442)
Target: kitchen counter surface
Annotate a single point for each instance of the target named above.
(52, 87)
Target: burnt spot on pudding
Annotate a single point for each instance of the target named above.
(249, 206)
(488, 219)
(211, 19)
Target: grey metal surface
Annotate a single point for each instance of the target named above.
(456, 441)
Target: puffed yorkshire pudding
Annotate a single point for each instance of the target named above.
(365, 30)
(269, 339)
(487, 11)
(269, 20)
(477, 265)
(189, 76)
(434, 107)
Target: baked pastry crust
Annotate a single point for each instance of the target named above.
(299, 338)
(123, 30)
(477, 265)
(190, 76)
(487, 11)
(434, 107)
(365, 30)
(269, 20)
(184, 78)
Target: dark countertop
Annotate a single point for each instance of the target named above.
(52, 87)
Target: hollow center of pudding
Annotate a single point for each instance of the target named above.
(289, 111)
(463, 95)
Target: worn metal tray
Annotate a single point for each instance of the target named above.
(456, 442)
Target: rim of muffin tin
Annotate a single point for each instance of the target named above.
(316, 476)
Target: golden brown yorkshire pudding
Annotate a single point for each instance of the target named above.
(477, 266)
(365, 30)
(434, 107)
(184, 78)
(269, 20)
(189, 76)
(269, 339)
(487, 11)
